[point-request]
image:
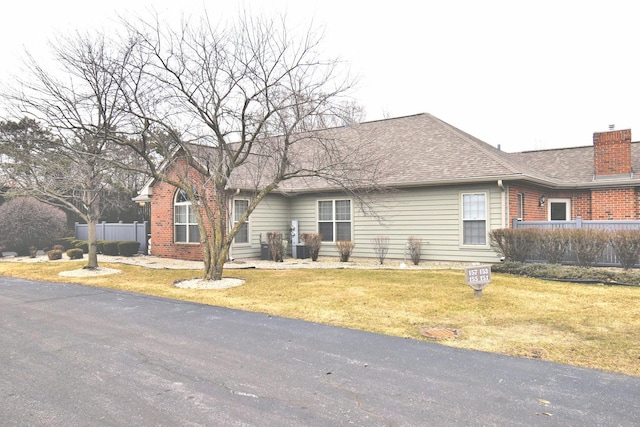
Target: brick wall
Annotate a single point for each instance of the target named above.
(532, 209)
(612, 152)
(615, 204)
(595, 204)
(162, 214)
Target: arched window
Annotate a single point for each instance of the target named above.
(184, 220)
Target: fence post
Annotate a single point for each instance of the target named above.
(75, 229)
(514, 223)
(579, 222)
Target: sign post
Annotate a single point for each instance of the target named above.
(478, 278)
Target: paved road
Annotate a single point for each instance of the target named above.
(81, 356)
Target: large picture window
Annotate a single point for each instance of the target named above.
(474, 219)
(184, 219)
(334, 220)
(240, 206)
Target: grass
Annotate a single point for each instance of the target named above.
(593, 326)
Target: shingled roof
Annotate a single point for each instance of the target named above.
(422, 150)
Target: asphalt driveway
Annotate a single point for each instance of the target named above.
(81, 356)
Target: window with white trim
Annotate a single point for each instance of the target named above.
(240, 206)
(184, 220)
(520, 201)
(559, 209)
(474, 219)
(334, 220)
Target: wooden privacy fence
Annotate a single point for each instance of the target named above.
(608, 257)
(117, 232)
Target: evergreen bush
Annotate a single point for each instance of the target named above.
(82, 244)
(75, 253)
(110, 248)
(128, 247)
(54, 254)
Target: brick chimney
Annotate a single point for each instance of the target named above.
(612, 152)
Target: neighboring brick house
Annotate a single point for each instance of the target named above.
(594, 182)
(448, 188)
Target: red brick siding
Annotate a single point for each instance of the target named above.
(596, 204)
(532, 209)
(162, 230)
(615, 204)
(612, 152)
(581, 205)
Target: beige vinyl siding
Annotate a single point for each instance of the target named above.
(433, 214)
(271, 214)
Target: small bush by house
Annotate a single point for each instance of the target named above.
(110, 248)
(75, 253)
(128, 247)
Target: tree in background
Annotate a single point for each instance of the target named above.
(63, 152)
(27, 222)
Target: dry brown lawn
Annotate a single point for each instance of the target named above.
(592, 326)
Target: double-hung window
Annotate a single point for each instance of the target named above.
(240, 206)
(334, 220)
(474, 219)
(184, 219)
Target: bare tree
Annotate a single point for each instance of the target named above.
(239, 107)
(72, 165)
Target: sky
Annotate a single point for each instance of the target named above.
(524, 75)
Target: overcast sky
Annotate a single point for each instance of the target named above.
(521, 74)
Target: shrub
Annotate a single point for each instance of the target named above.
(100, 246)
(64, 243)
(33, 252)
(569, 273)
(75, 253)
(26, 222)
(313, 241)
(128, 247)
(345, 247)
(414, 244)
(82, 244)
(110, 248)
(276, 245)
(514, 244)
(626, 244)
(54, 254)
(588, 244)
(381, 247)
(553, 244)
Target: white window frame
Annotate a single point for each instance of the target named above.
(520, 205)
(480, 216)
(190, 220)
(566, 201)
(333, 219)
(247, 223)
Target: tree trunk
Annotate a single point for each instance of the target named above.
(92, 262)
